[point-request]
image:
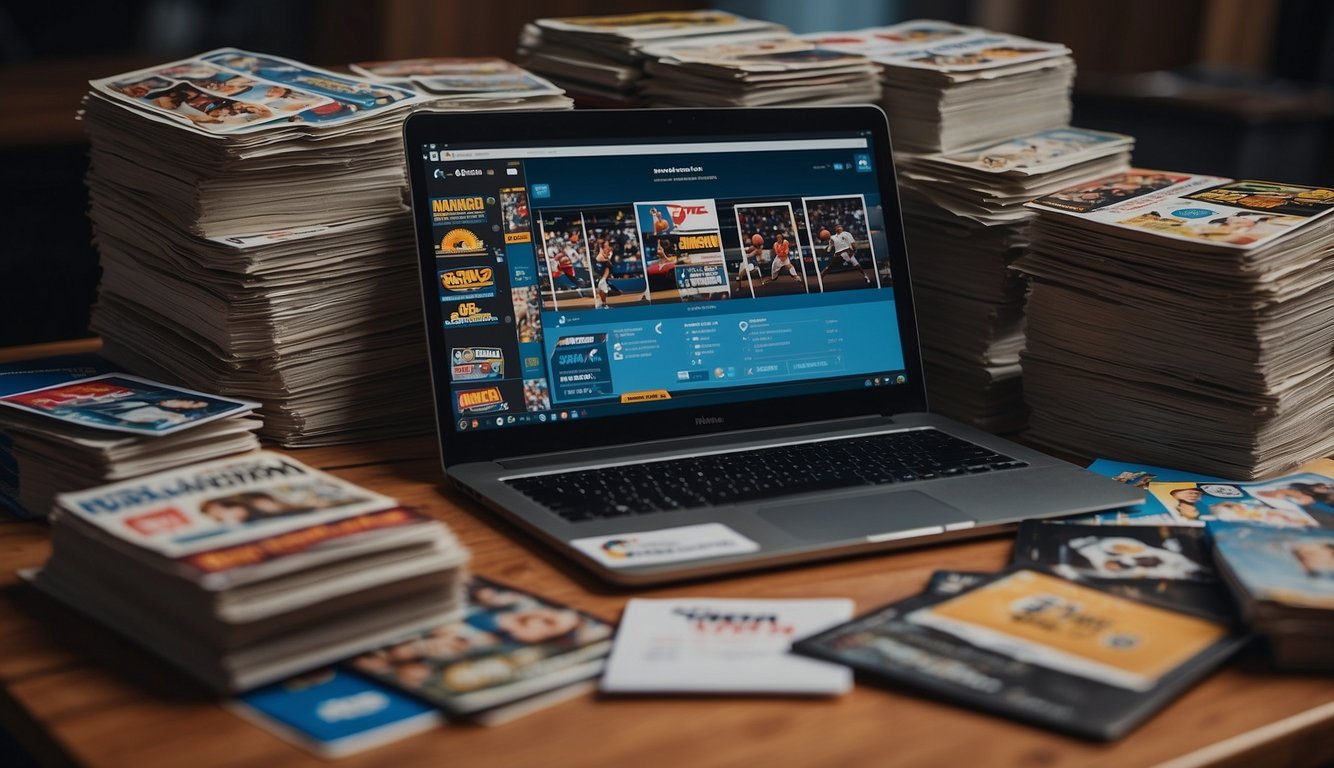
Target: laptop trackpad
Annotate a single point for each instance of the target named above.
(864, 516)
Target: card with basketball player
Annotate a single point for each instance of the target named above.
(841, 242)
(684, 248)
(1030, 645)
(1162, 564)
(770, 258)
(615, 257)
(563, 271)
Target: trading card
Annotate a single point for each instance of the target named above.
(122, 403)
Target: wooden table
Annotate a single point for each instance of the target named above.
(73, 692)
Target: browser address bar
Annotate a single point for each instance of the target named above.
(519, 153)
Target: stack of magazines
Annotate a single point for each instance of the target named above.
(948, 87)
(599, 60)
(71, 422)
(965, 221)
(771, 68)
(250, 218)
(472, 84)
(1283, 579)
(247, 570)
(1184, 319)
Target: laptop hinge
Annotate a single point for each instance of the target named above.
(692, 442)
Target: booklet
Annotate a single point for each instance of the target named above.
(1030, 645)
(702, 645)
(509, 646)
(124, 403)
(333, 712)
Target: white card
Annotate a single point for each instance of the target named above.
(668, 545)
(704, 645)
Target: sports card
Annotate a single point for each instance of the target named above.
(1287, 566)
(1304, 499)
(772, 258)
(710, 645)
(510, 645)
(684, 236)
(886, 645)
(334, 713)
(122, 403)
(1064, 626)
(1041, 152)
(840, 242)
(1163, 564)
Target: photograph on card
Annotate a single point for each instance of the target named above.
(509, 645)
(518, 221)
(564, 271)
(1110, 190)
(122, 403)
(619, 276)
(1163, 564)
(1292, 501)
(840, 243)
(769, 259)
(1227, 226)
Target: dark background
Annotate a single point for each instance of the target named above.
(1230, 87)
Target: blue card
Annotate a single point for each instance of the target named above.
(335, 712)
(1150, 511)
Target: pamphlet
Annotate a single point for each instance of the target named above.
(702, 645)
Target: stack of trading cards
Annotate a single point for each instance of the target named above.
(247, 570)
(965, 222)
(472, 84)
(599, 60)
(1028, 644)
(948, 87)
(755, 69)
(511, 653)
(1184, 320)
(70, 422)
(248, 210)
(1283, 579)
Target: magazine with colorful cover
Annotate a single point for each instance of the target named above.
(231, 91)
(1162, 564)
(712, 645)
(459, 78)
(1212, 210)
(334, 712)
(218, 504)
(122, 403)
(1303, 499)
(1030, 645)
(1293, 568)
(1150, 511)
(941, 46)
(509, 646)
(1037, 153)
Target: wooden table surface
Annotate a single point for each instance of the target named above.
(73, 692)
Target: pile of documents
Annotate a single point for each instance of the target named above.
(1184, 319)
(72, 422)
(599, 59)
(965, 222)
(948, 87)
(1283, 579)
(247, 570)
(254, 239)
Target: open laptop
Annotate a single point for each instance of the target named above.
(674, 343)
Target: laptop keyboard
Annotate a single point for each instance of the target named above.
(753, 475)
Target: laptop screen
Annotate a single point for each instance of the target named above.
(581, 279)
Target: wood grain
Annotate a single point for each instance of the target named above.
(100, 702)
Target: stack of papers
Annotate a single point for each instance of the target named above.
(472, 84)
(247, 570)
(599, 58)
(965, 222)
(770, 68)
(1283, 579)
(71, 422)
(254, 240)
(948, 87)
(1183, 319)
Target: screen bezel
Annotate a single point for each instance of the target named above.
(501, 128)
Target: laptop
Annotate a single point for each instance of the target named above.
(678, 343)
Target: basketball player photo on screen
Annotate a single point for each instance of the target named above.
(617, 262)
(842, 242)
(686, 255)
(563, 270)
(514, 210)
(769, 262)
